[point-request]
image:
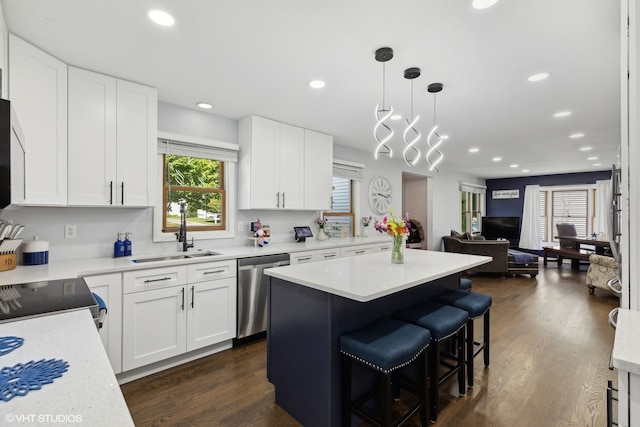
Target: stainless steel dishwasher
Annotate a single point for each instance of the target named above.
(252, 295)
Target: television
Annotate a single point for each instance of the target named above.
(502, 227)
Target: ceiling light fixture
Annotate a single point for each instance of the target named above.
(396, 117)
(161, 17)
(474, 150)
(445, 137)
(592, 158)
(411, 74)
(525, 170)
(483, 4)
(383, 55)
(560, 114)
(515, 165)
(317, 84)
(576, 135)
(204, 105)
(434, 140)
(597, 164)
(497, 159)
(585, 148)
(538, 77)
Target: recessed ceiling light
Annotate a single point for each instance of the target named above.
(444, 136)
(483, 4)
(585, 148)
(497, 159)
(396, 117)
(161, 17)
(538, 77)
(597, 164)
(515, 165)
(474, 150)
(562, 114)
(525, 170)
(576, 135)
(204, 105)
(317, 84)
(592, 158)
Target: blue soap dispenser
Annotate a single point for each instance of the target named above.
(127, 244)
(118, 247)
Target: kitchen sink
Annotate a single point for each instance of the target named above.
(178, 256)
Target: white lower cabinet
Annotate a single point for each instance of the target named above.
(109, 288)
(178, 317)
(315, 255)
(383, 247)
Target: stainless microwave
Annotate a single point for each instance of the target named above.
(12, 157)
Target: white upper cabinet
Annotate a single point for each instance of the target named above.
(272, 168)
(38, 91)
(318, 170)
(112, 137)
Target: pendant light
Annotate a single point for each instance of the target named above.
(383, 55)
(411, 153)
(434, 140)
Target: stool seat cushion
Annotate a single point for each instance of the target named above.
(387, 344)
(472, 302)
(442, 320)
(465, 284)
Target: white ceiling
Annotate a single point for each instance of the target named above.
(256, 57)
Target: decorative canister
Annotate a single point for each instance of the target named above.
(35, 252)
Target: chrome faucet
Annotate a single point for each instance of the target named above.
(182, 235)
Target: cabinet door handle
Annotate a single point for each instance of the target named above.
(193, 296)
(157, 280)
(304, 259)
(111, 192)
(329, 255)
(278, 202)
(283, 200)
(360, 252)
(182, 306)
(122, 194)
(214, 271)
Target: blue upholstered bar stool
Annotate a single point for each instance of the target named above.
(385, 346)
(476, 305)
(444, 322)
(465, 284)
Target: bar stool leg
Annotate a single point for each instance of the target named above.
(434, 362)
(346, 390)
(485, 338)
(470, 352)
(424, 390)
(385, 382)
(462, 387)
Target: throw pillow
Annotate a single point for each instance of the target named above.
(454, 233)
(477, 236)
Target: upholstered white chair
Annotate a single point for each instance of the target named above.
(603, 270)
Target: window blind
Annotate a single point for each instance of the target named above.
(570, 206)
(194, 147)
(348, 170)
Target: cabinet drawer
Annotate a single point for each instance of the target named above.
(302, 257)
(356, 250)
(384, 247)
(154, 278)
(211, 271)
(327, 254)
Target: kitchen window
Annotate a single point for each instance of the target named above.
(201, 172)
(471, 206)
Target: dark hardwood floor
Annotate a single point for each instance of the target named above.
(550, 349)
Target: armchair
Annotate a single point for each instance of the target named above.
(602, 269)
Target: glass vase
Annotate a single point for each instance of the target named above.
(397, 252)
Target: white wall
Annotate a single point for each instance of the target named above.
(97, 228)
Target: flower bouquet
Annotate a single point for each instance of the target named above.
(398, 230)
(365, 221)
(321, 222)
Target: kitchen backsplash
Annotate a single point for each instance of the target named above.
(97, 228)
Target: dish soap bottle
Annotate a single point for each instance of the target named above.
(118, 247)
(127, 244)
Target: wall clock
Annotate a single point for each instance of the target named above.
(380, 194)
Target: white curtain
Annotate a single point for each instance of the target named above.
(604, 199)
(530, 232)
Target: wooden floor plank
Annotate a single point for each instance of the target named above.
(550, 350)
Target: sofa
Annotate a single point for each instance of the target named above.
(502, 263)
(603, 269)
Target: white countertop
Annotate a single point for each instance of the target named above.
(87, 394)
(626, 346)
(92, 266)
(367, 277)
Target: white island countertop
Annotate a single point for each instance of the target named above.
(367, 277)
(86, 394)
(626, 346)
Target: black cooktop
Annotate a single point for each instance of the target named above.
(34, 299)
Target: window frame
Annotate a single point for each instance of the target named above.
(590, 190)
(231, 188)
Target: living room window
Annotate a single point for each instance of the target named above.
(471, 206)
(573, 205)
